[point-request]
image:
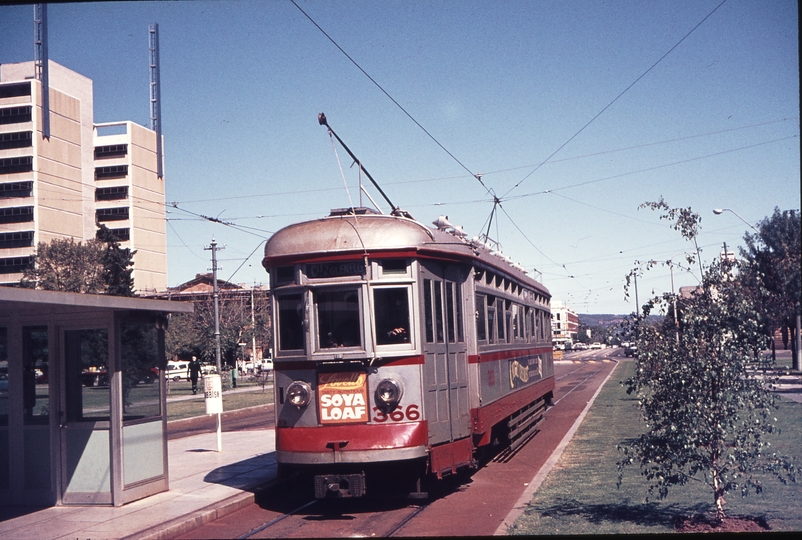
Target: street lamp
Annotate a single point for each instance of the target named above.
(719, 211)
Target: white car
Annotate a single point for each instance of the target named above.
(177, 370)
(595, 345)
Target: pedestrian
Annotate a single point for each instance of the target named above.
(194, 371)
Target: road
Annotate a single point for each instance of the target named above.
(471, 504)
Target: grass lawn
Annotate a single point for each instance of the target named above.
(579, 496)
(177, 410)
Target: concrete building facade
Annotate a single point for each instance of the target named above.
(82, 175)
(564, 323)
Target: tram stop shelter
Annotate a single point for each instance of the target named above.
(82, 397)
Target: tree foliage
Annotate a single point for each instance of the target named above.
(772, 270)
(98, 266)
(192, 334)
(708, 412)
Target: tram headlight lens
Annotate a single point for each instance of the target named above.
(298, 394)
(389, 392)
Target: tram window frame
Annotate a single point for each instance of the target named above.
(529, 322)
(450, 312)
(284, 275)
(282, 326)
(491, 318)
(510, 320)
(393, 268)
(385, 336)
(438, 311)
(501, 336)
(428, 319)
(344, 327)
(481, 317)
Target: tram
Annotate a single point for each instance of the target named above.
(400, 351)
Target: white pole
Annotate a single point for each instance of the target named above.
(219, 434)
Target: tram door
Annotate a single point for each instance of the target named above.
(446, 399)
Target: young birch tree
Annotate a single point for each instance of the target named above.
(707, 414)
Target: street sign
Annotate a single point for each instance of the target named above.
(213, 390)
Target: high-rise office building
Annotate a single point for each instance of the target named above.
(82, 175)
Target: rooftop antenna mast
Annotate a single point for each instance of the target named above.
(155, 94)
(41, 68)
(396, 211)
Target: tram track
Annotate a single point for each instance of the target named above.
(466, 504)
(327, 518)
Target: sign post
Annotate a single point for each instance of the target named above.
(213, 391)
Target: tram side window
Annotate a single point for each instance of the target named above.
(481, 328)
(438, 311)
(491, 319)
(528, 323)
(539, 320)
(458, 302)
(427, 310)
(338, 318)
(500, 320)
(450, 311)
(391, 308)
(510, 312)
(290, 322)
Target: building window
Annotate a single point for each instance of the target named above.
(16, 165)
(114, 171)
(16, 239)
(16, 214)
(121, 235)
(111, 151)
(112, 214)
(14, 265)
(10, 190)
(20, 139)
(111, 193)
(15, 115)
(15, 90)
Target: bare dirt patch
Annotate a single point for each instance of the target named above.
(730, 524)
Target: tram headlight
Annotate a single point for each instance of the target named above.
(298, 394)
(388, 393)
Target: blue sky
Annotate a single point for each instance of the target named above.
(501, 85)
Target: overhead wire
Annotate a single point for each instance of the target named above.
(610, 104)
(391, 98)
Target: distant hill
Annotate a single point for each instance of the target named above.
(594, 319)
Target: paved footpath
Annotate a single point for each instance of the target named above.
(204, 485)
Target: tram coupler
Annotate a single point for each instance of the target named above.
(334, 486)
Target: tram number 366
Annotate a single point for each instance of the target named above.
(411, 412)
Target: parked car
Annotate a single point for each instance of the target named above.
(579, 346)
(595, 345)
(630, 349)
(263, 365)
(177, 370)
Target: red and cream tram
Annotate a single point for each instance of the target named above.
(399, 349)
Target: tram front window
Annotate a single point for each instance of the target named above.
(290, 322)
(392, 315)
(338, 318)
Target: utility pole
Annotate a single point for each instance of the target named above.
(253, 325)
(214, 249)
(798, 352)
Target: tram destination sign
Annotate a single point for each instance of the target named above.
(335, 269)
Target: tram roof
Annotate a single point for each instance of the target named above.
(343, 233)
